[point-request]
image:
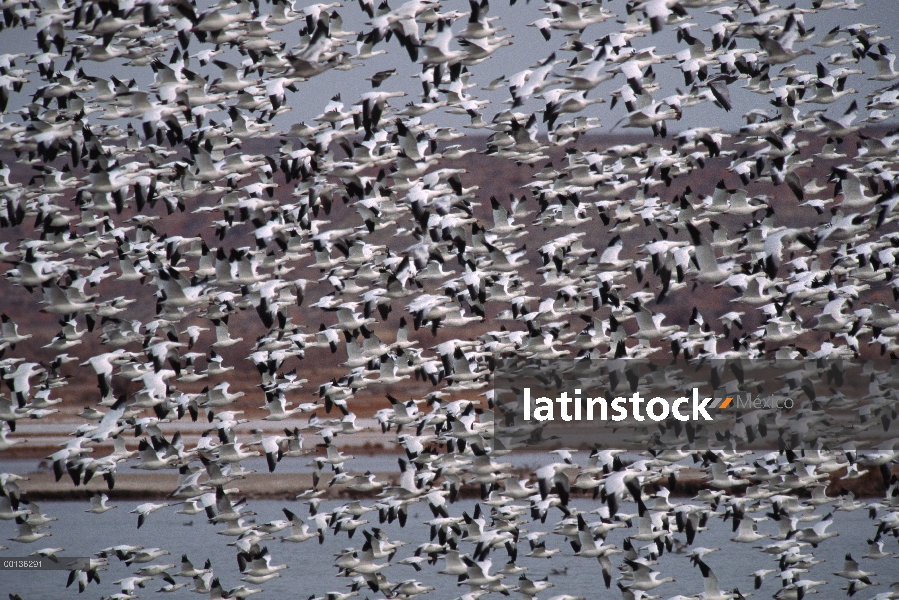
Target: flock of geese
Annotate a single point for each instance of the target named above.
(354, 263)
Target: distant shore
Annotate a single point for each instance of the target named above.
(287, 486)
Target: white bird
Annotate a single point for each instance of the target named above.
(144, 510)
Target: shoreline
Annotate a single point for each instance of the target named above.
(286, 486)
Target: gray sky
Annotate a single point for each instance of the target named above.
(528, 48)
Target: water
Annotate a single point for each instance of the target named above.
(376, 463)
(311, 569)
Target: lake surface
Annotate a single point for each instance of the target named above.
(376, 463)
(311, 569)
